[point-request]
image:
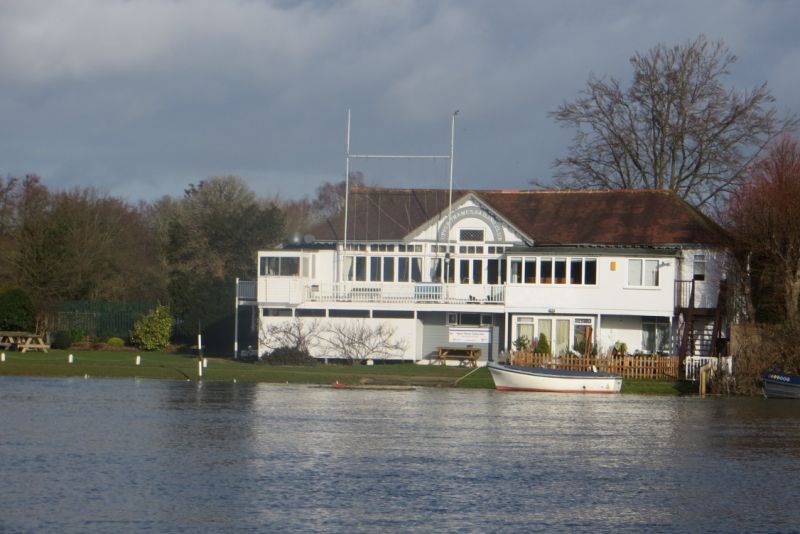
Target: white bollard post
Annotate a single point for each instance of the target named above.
(70, 359)
(199, 368)
(205, 363)
(3, 357)
(138, 360)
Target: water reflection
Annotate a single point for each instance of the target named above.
(101, 455)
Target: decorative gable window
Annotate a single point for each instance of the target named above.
(471, 235)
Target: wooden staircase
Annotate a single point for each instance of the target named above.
(696, 342)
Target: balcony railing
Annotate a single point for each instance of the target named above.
(424, 293)
(694, 294)
(246, 290)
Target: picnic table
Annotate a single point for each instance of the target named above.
(22, 341)
(467, 356)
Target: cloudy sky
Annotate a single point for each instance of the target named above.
(140, 98)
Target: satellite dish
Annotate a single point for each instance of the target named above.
(295, 239)
(308, 239)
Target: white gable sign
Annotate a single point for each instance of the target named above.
(472, 212)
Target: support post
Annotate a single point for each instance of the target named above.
(447, 256)
(236, 324)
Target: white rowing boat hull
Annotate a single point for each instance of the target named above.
(516, 378)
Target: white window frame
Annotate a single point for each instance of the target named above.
(699, 260)
(642, 282)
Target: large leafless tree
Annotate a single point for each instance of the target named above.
(675, 127)
(763, 215)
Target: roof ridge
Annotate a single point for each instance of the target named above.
(380, 188)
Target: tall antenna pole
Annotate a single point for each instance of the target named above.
(384, 156)
(347, 181)
(447, 257)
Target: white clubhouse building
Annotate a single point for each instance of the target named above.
(642, 268)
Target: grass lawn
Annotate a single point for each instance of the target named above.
(182, 367)
(658, 387)
(119, 364)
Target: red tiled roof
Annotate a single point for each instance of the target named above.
(619, 217)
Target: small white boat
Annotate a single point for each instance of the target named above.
(517, 378)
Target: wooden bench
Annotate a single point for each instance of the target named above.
(466, 356)
(34, 346)
(23, 341)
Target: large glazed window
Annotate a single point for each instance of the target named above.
(651, 273)
(375, 269)
(516, 270)
(355, 268)
(634, 272)
(546, 271)
(388, 269)
(561, 270)
(279, 266)
(643, 273)
(530, 270)
(590, 271)
(655, 335)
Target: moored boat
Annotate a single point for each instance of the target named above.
(780, 385)
(518, 378)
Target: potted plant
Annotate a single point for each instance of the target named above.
(522, 343)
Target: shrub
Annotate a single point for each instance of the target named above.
(522, 343)
(760, 348)
(115, 342)
(62, 340)
(152, 332)
(290, 356)
(542, 346)
(76, 335)
(16, 310)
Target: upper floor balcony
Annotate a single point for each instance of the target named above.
(700, 295)
(246, 290)
(298, 291)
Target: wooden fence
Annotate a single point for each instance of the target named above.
(629, 366)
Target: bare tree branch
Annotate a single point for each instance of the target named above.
(676, 126)
(761, 213)
(358, 341)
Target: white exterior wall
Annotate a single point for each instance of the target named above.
(325, 266)
(611, 294)
(620, 328)
(616, 307)
(317, 266)
(405, 330)
(717, 262)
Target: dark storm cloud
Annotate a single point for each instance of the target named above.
(141, 98)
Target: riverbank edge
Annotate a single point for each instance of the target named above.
(158, 365)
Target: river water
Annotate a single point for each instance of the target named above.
(99, 455)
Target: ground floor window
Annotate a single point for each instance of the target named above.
(469, 319)
(655, 335)
(582, 335)
(276, 312)
(562, 334)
